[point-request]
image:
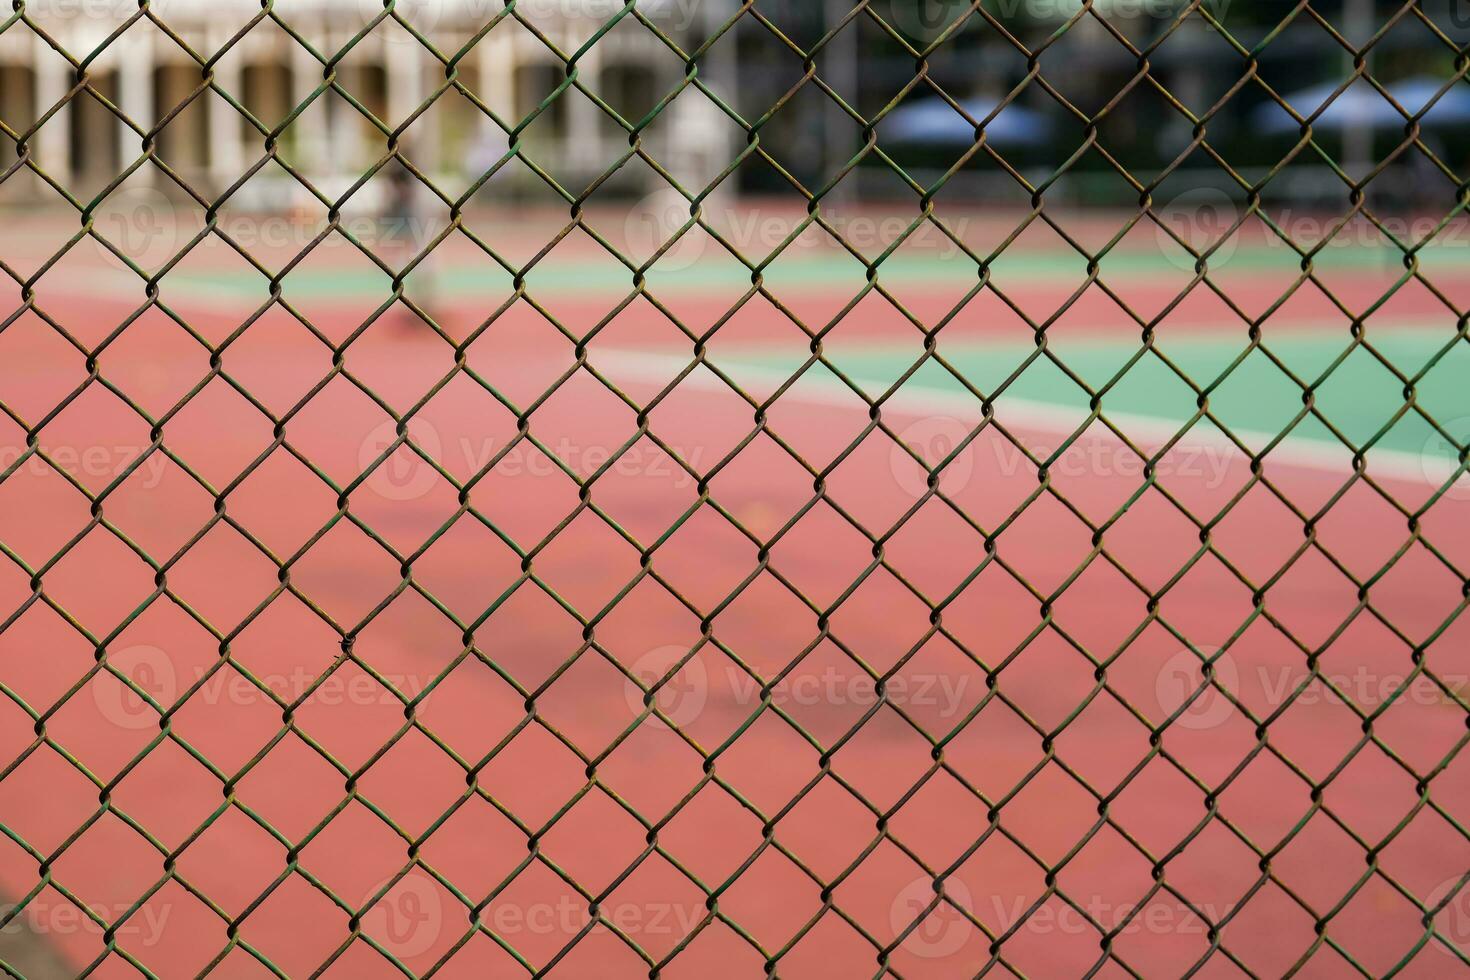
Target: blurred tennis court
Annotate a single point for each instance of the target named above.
(653, 594)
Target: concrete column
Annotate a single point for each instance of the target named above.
(308, 130)
(346, 128)
(408, 86)
(52, 144)
(582, 142)
(404, 79)
(135, 97)
(716, 143)
(496, 54)
(497, 89)
(226, 144)
(11, 88)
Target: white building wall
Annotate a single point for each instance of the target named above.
(334, 135)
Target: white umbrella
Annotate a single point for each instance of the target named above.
(935, 122)
(1360, 104)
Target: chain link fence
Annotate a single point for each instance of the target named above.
(618, 488)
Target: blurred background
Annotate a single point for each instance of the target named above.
(1225, 77)
(342, 603)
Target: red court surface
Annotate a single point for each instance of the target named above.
(1028, 631)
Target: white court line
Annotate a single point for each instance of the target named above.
(1149, 431)
(923, 402)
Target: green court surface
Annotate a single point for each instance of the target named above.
(702, 266)
(1251, 392)
(1373, 392)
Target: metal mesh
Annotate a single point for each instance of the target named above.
(471, 919)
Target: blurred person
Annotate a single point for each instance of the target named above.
(406, 228)
(1431, 194)
(490, 147)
